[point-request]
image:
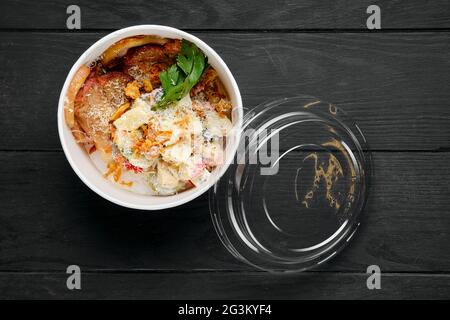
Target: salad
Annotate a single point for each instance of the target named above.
(151, 113)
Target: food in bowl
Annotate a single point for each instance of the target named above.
(151, 113)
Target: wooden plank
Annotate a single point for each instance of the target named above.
(233, 14)
(223, 285)
(395, 85)
(50, 220)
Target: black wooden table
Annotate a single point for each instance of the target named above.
(394, 81)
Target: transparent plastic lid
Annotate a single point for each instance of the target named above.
(292, 199)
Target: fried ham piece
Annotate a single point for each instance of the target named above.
(213, 90)
(120, 48)
(145, 63)
(95, 104)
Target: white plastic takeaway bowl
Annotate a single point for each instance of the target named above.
(85, 168)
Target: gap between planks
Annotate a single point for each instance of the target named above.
(244, 31)
(225, 271)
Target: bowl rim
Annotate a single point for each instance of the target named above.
(237, 111)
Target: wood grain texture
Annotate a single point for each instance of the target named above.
(247, 285)
(234, 14)
(50, 220)
(395, 85)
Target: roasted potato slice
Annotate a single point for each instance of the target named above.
(77, 82)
